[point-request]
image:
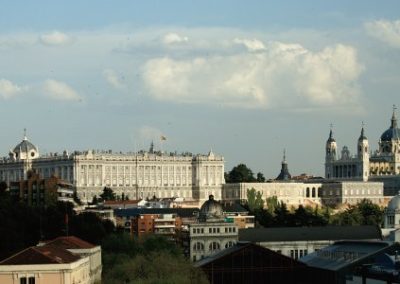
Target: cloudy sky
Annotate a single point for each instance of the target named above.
(243, 78)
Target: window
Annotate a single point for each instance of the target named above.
(31, 280)
(198, 246)
(214, 246)
(229, 244)
(22, 280)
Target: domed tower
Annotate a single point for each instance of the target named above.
(363, 155)
(211, 211)
(389, 144)
(284, 175)
(25, 152)
(330, 155)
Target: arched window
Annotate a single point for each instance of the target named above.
(214, 246)
(198, 246)
(307, 192)
(229, 244)
(313, 192)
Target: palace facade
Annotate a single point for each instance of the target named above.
(138, 175)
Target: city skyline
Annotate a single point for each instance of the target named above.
(246, 80)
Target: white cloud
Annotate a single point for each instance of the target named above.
(173, 38)
(148, 133)
(55, 38)
(385, 31)
(60, 91)
(281, 75)
(8, 89)
(250, 44)
(113, 78)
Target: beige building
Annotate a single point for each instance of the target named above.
(137, 175)
(83, 249)
(351, 193)
(45, 265)
(291, 193)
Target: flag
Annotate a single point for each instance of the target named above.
(163, 138)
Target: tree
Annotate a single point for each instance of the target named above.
(241, 173)
(282, 215)
(108, 194)
(153, 259)
(272, 203)
(89, 227)
(254, 200)
(260, 177)
(371, 213)
(363, 213)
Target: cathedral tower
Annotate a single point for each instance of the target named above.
(363, 155)
(330, 155)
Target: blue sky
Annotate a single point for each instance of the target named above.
(244, 78)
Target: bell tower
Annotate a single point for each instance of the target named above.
(330, 155)
(363, 155)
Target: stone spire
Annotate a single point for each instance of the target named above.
(394, 118)
(331, 139)
(362, 135)
(284, 174)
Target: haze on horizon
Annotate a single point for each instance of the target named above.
(243, 79)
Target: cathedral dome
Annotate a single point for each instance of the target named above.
(211, 210)
(394, 203)
(391, 134)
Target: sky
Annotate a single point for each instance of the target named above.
(245, 79)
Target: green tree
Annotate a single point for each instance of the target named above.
(260, 177)
(370, 212)
(272, 203)
(241, 173)
(282, 216)
(108, 194)
(152, 259)
(254, 200)
(89, 227)
(363, 213)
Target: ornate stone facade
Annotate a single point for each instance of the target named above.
(365, 165)
(137, 175)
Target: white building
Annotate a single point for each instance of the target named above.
(211, 233)
(137, 175)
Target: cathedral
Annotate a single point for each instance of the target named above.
(382, 165)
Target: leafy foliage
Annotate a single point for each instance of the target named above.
(150, 260)
(254, 200)
(260, 177)
(23, 226)
(364, 213)
(108, 194)
(240, 173)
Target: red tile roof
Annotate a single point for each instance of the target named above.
(70, 242)
(47, 254)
